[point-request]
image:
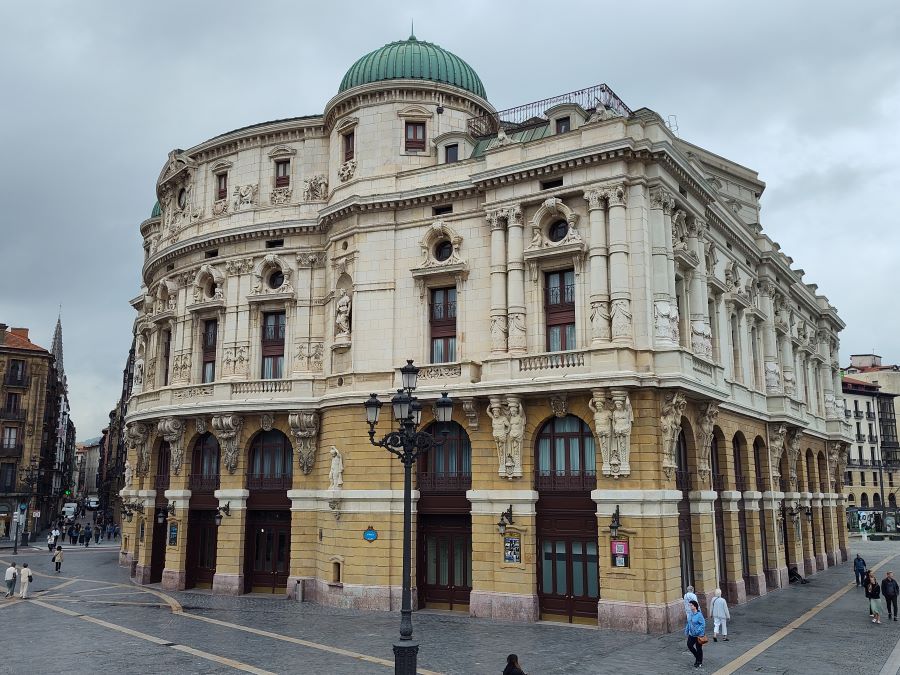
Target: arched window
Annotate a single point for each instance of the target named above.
(448, 466)
(164, 458)
(892, 500)
(205, 464)
(864, 501)
(737, 455)
(682, 477)
(566, 456)
(271, 459)
(876, 500)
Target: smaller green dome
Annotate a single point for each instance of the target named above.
(157, 211)
(412, 59)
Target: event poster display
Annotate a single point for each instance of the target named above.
(619, 552)
(512, 549)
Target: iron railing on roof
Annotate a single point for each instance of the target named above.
(532, 114)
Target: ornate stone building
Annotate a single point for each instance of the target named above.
(598, 297)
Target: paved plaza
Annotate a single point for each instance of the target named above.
(91, 617)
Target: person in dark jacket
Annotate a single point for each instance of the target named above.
(859, 567)
(512, 666)
(873, 593)
(890, 590)
(88, 533)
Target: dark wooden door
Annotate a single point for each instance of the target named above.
(268, 551)
(158, 550)
(201, 548)
(568, 570)
(445, 561)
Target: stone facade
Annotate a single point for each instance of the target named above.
(607, 277)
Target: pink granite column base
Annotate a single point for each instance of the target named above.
(777, 578)
(833, 558)
(173, 580)
(142, 574)
(821, 562)
(809, 565)
(736, 591)
(228, 584)
(844, 556)
(505, 606)
(756, 584)
(640, 618)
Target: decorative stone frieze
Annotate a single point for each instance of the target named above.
(559, 405)
(228, 432)
(440, 372)
(280, 196)
(665, 321)
(172, 431)
(235, 358)
(245, 196)
(471, 412)
(347, 169)
(192, 392)
(181, 367)
(305, 430)
(239, 266)
(315, 188)
(266, 422)
(310, 356)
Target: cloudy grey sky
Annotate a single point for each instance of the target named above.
(93, 95)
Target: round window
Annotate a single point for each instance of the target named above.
(443, 250)
(558, 230)
(182, 198)
(276, 280)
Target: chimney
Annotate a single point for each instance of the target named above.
(20, 332)
(3, 328)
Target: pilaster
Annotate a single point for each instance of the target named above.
(229, 576)
(174, 572)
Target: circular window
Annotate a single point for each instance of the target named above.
(210, 288)
(182, 198)
(344, 245)
(558, 230)
(276, 280)
(443, 250)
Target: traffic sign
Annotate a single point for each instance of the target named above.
(35, 514)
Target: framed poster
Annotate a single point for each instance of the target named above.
(512, 549)
(620, 553)
(173, 534)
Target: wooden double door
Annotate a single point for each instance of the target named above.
(445, 561)
(201, 548)
(568, 564)
(268, 550)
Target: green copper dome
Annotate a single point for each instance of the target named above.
(413, 60)
(157, 211)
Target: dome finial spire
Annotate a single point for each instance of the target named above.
(412, 30)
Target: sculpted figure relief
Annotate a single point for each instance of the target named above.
(673, 408)
(516, 434)
(776, 448)
(622, 420)
(621, 318)
(128, 474)
(342, 315)
(600, 320)
(706, 421)
(499, 430)
(336, 473)
(773, 377)
(603, 426)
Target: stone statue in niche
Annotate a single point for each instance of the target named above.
(342, 315)
(137, 385)
(603, 425)
(128, 474)
(499, 430)
(670, 428)
(621, 318)
(622, 420)
(665, 314)
(336, 473)
(773, 378)
(516, 434)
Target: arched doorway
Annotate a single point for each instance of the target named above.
(158, 540)
(738, 456)
(811, 487)
(718, 512)
(761, 472)
(268, 542)
(444, 520)
(202, 531)
(565, 474)
(685, 536)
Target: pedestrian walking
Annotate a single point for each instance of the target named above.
(890, 590)
(116, 532)
(11, 574)
(50, 542)
(689, 597)
(81, 537)
(88, 533)
(98, 531)
(873, 593)
(57, 558)
(109, 531)
(73, 537)
(718, 610)
(25, 579)
(695, 631)
(512, 666)
(55, 535)
(859, 567)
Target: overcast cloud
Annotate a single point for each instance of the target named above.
(94, 94)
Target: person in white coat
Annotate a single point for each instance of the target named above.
(688, 597)
(25, 579)
(718, 610)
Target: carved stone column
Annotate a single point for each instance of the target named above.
(826, 378)
(598, 254)
(515, 280)
(788, 378)
(665, 305)
(499, 327)
(770, 354)
(701, 333)
(619, 282)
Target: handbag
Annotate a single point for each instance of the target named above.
(702, 640)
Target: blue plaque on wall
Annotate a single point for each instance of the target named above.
(370, 534)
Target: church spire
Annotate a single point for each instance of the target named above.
(57, 348)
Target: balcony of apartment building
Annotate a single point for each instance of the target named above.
(847, 413)
(860, 438)
(873, 438)
(12, 413)
(10, 448)
(17, 378)
(870, 415)
(858, 414)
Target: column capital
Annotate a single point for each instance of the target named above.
(616, 195)
(594, 197)
(660, 198)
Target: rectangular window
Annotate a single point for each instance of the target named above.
(166, 352)
(283, 173)
(209, 340)
(221, 185)
(211, 254)
(563, 124)
(415, 136)
(442, 321)
(13, 401)
(552, 183)
(559, 306)
(348, 146)
(874, 478)
(890, 480)
(275, 243)
(862, 478)
(442, 210)
(849, 478)
(10, 438)
(7, 477)
(273, 330)
(451, 153)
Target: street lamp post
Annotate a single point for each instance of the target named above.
(31, 475)
(407, 443)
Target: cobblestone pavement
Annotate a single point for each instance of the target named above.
(91, 617)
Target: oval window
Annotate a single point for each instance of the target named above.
(182, 198)
(558, 230)
(276, 280)
(443, 250)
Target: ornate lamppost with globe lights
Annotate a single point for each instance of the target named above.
(407, 443)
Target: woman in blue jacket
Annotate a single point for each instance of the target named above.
(694, 629)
